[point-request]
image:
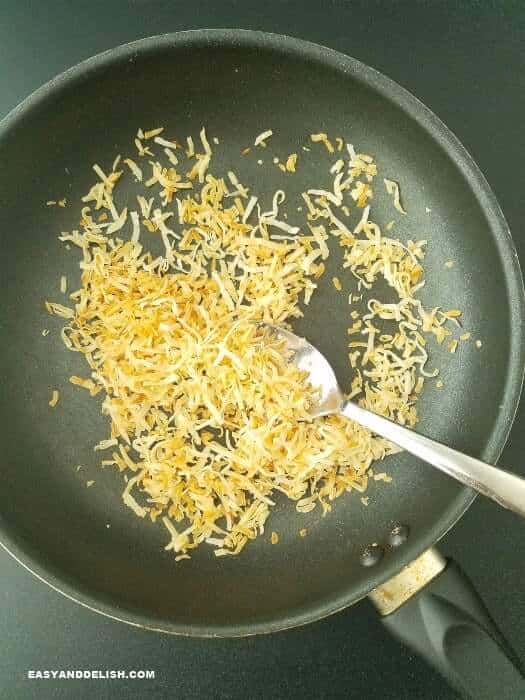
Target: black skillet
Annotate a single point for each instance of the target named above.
(238, 84)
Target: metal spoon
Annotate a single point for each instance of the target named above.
(503, 487)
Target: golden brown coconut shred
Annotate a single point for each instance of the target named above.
(207, 414)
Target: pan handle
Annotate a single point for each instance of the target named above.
(432, 607)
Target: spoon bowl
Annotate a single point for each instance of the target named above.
(507, 489)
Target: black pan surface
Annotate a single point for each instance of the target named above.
(238, 84)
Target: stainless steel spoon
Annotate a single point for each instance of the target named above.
(503, 487)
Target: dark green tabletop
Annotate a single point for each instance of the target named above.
(466, 61)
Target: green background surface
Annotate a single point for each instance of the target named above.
(466, 61)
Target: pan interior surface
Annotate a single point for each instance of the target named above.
(238, 84)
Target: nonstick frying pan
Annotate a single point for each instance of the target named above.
(238, 84)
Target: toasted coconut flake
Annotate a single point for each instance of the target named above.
(323, 138)
(106, 444)
(145, 205)
(88, 384)
(152, 133)
(361, 193)
(392, 188)
(135, 169)
(101, 173)
(208, 418)
(239, 189)
(165, 143)
(55, 396)
(143, 150)
(452, 313)
(171, 156)
(205, 142)
(274, 538)
(130, 501)
(291, 163)
(249, 208)
(59, 310)
(262, 138)
(330, 196)
(118, 223)
(135, 221)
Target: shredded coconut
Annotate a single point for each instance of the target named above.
(207, 414)
(393, 189)
(262, 138)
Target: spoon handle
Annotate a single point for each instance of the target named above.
(503, 487)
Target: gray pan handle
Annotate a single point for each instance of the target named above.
(433, 608)
(508, 490)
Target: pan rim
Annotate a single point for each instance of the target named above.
(450, 144)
